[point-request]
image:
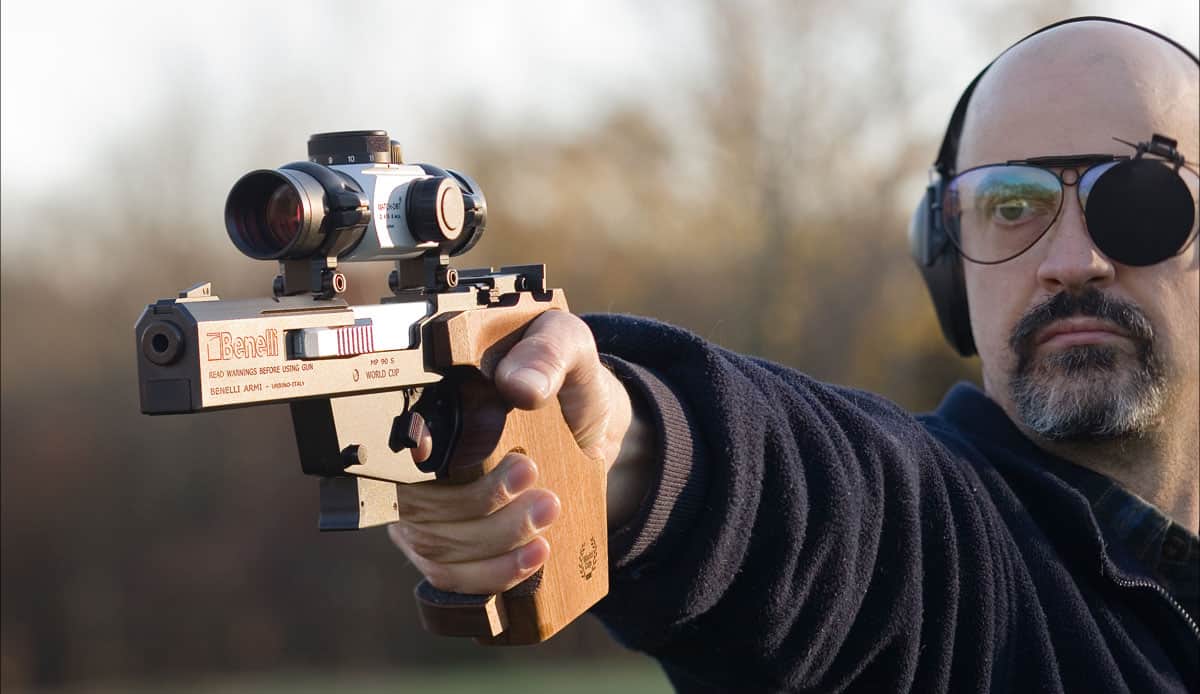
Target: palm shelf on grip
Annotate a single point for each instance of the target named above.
(361, 381)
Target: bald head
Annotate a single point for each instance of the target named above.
(1071, 89)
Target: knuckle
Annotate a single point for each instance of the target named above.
(565, 320)
(594, 437)
(429, 545)
(571, 334)
(553, 320)
(559, 338)
(485, 495)
(493, 497)
(586, 377)
(581, 334)
(543, 350)
(523, 531)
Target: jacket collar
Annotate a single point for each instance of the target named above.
(1050, 486)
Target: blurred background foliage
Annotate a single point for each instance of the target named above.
(762, 204)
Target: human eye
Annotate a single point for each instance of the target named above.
(1011, 211)
(1014, 205)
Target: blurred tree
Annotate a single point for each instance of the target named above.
(777, 232)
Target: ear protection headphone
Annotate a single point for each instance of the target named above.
(936, 256)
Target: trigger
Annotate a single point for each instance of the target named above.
(438, 410)
(405, 430)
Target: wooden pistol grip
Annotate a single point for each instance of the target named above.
(575, 576)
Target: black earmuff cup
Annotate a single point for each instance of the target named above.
(1140, 212)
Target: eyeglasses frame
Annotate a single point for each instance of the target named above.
(1063, 163)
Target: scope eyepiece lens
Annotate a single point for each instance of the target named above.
(266, 216)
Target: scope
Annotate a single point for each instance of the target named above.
(354, 200)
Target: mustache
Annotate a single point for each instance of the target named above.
(1091, 303)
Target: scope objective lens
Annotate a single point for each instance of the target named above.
(268, 215)
(284, 215)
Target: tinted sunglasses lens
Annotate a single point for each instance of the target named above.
(1139, 212)
(993, 213)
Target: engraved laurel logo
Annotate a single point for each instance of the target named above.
(588, 555)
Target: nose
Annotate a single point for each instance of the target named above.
(1072, 262)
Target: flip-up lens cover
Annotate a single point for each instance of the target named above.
(1140, 212)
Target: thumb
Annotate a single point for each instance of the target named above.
(557, 357)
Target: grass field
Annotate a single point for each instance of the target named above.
(626, 678)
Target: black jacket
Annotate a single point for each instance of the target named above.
(806, 537)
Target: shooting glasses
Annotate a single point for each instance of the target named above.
(1139, 210)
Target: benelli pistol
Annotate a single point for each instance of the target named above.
(360, 379)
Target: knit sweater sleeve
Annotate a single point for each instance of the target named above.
(797, 536)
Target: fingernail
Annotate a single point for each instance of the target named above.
(519, 477)
(534, 379)
(532, 555)
(544, 512)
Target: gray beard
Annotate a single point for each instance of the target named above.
(1090, 393)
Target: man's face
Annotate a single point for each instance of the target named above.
(1075, 346)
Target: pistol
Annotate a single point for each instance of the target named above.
(361, 380)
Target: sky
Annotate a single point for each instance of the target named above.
(79, 79)
(83, 72)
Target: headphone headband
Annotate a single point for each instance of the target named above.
(946, 164)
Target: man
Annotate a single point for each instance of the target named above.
(773, 533)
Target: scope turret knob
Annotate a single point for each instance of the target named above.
(435, 210)
(475, 220)
(350, 147)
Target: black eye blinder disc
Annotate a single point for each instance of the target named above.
(1140, 212)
